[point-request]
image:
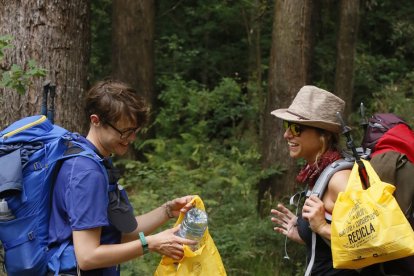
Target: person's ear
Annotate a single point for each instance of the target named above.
(95, 120)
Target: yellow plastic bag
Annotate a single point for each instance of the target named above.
(205, 261)
(368, 226)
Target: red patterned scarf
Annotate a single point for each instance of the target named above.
(310, 173)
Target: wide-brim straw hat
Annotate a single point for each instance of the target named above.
(314, 107)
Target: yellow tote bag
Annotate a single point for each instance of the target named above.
(206, 261)
(368, 226)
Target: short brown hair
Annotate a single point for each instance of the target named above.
(111, 100)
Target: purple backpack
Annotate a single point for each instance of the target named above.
(378, 125)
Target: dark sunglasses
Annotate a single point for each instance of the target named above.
(124, 133)
(294, 128)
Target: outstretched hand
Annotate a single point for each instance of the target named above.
(286, 222)
(167, 243)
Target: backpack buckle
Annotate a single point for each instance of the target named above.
(37, 166)
(31, 235)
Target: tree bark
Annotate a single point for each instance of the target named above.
(133, 51)
(289, 71)
(133, 45)
(253, 21)
(56, 34)
(346, 47)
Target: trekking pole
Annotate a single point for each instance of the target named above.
(346, 131)
(43, 109)
(51, 111)
(363, 121)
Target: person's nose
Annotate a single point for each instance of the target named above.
(288, 134)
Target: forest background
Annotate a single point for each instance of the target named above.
(213, 70)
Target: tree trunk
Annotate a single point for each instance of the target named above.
(346, 45)
(56, 34)
(289, 71)
(133, 50)
(133, 45)
(253, 21)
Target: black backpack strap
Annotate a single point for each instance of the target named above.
(73, 150)
(114, 174)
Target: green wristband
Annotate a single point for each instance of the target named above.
(143, 243)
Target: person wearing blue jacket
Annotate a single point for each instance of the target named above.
(97, 221)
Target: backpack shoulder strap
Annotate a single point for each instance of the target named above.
(109, 172)
(327, 173)
(76, 149)
(319, 190)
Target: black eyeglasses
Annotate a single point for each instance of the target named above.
(294, 128)
(124, 133)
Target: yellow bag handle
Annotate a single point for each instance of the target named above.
(376, 185)
(197, 203)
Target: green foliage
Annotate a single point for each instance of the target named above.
(397, 98)
(4, 44)
(188, 106)
(18, 78)
(324, 56)
(208, 40)
(384, 61)
(101, 27)
(202, 145)
(194, 153)
(384, 55)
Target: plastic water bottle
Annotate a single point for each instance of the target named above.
(193, 226)
(5, 213)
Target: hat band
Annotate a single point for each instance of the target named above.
(300, 116)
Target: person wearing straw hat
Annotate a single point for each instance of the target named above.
(312, 133)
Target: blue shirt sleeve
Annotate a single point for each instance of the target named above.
(86, 195)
